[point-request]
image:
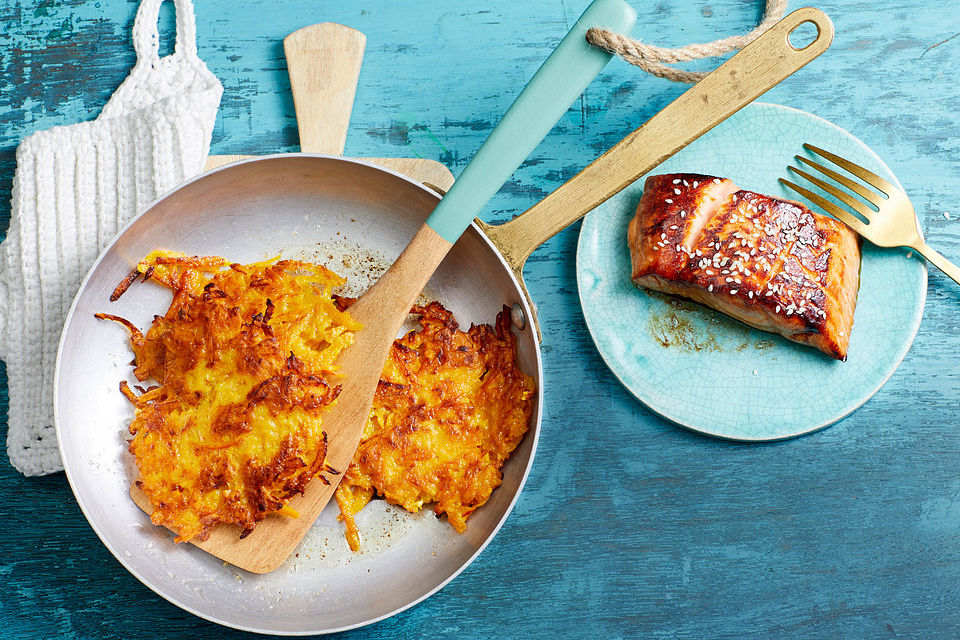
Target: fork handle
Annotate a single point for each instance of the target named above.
(941, 263)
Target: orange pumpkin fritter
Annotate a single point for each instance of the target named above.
(243, 362)
(449, 409)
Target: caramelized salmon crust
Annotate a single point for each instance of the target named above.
(770, 263)
(243, 366)
(449, 409)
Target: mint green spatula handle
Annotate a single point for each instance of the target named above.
(558, 82)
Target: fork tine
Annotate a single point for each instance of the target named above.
(865, 175)
(856, 187)
(843, 196)
(840, 214)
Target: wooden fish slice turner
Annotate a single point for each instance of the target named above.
(383, 308)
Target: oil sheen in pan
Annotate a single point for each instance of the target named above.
(359, 264)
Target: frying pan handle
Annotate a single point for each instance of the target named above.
(323, 61)
(558, 82)
(764, 63)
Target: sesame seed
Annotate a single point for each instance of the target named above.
(754, 372)
(750, 294)
(695, 183)
(676, 191)
(946, 214)
(710, 288)
(686, 184)
(733, 291)
(668, 201)
(778, 308)
(677, 181)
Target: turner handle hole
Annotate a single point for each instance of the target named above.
(803, 35)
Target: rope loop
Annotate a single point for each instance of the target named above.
(656, 60)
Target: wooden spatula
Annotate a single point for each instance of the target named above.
(558, 82)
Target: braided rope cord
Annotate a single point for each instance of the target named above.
(656, 60)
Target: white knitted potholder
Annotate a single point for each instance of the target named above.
(73, 189)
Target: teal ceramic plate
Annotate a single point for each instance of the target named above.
(713, 374)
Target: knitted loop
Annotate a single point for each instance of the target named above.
(73, 190)
(652, 59)
(146, 36)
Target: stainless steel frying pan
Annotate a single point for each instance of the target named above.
(300, 204)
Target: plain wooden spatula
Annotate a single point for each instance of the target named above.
(383, 308)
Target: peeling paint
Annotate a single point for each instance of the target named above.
(850, 532)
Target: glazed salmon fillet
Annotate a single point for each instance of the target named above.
(770, 263)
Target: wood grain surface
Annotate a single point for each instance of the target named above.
(324, 63)
(852, 532)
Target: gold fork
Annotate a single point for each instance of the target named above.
(890, 222)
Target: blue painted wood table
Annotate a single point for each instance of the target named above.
(629, 525)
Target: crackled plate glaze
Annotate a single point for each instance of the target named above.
(710, 373)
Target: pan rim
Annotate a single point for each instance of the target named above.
(522, 300)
